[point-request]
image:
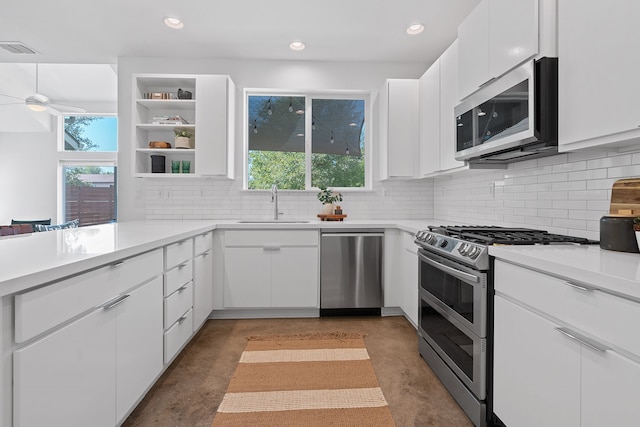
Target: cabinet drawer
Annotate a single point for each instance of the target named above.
(177, 253)
(178, 303)
(44, 308)
(202, 243)
(177, 277)
(604, 316)
(271, 238)
(177, 335)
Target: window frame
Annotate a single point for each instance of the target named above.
(80, 158)
(309, 97)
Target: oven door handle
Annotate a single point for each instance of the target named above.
(450, 270)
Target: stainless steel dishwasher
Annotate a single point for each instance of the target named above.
(351, 272)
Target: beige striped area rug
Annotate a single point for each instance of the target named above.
(322, 379)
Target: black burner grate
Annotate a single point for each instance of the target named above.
(491, 235)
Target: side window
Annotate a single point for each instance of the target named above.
(89, 169)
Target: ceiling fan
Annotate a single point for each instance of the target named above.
(39, 102)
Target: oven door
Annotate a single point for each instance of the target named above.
(463, 351)
(458, 291)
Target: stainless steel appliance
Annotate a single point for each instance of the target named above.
(513, 118)
(455, 322)
(351, 272)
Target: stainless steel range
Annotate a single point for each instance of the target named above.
(456, 307)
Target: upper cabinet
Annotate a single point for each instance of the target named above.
(438, 96)
(398, 101)
(497, 36)
(201, 105)
(598, 71)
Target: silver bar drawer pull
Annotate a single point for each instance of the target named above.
(117, 264)
(183, 265)
(582, 339)
(583, 288)
(182, 319)
(115, 301)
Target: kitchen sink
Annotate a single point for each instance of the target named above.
(270, 221)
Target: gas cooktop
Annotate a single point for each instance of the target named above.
(469, 244)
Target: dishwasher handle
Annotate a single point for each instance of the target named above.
(352, 234)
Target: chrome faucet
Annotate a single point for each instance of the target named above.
(274, 200)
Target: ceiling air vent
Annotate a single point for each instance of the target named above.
(17, 48)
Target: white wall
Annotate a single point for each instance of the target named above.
(27, 176)
(219, 198)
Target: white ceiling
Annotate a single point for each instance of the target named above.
(81, 31)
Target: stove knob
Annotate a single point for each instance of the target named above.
(429, 239)
(474, 252)
(444, 243)
(463, 249)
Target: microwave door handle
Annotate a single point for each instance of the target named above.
(452, 271)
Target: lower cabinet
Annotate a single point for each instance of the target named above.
(202, 288)
(92, 371)
(265, 269)
(409, 277)
(572, 368)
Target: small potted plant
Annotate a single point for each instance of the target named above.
(328, 198)
(183, 138)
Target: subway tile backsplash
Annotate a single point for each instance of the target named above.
(566, 193)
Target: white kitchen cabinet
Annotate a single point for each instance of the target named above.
(598, 71)
(266, 268)
(68, 377)
(138, 344)
(429, 122)
(570, 354)
(497, 36)
(209, 116)
(92, 371)
(448, 100)
(410, 277)
(294, 277)
(438, 97)
(398, 104)
(202, 279)
(536, 370)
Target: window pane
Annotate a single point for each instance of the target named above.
(90, 194)
(338, 138)
(276, 142)
(90, 133)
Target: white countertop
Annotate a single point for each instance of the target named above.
(616, 272)
(34, 259)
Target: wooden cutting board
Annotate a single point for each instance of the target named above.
(625, 197)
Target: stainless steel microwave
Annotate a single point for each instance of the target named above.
(512, 118)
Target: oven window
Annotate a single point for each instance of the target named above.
(453, 292)
(451, 340)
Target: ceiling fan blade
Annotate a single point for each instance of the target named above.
(61, 109)
(13, 103)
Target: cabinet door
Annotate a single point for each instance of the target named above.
(513, 34)
(609, 389)
(139, 329)
(473, 39)
(212, 118)
(599, 70)
(410, 284)
(448, 101)
(400, 114)
(67, 377)
(247, 278)
(429, 96)
(294, 277)
(536, 370)
(203, 288)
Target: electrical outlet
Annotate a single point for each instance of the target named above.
(169, 194)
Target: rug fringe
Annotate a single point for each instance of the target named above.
(308, 336)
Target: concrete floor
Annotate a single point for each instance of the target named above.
(190, 390)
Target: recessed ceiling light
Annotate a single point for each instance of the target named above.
(300, 112)
(297, 45)
(173, 22)
(415, 29)
(353, 124)
(300, 134)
